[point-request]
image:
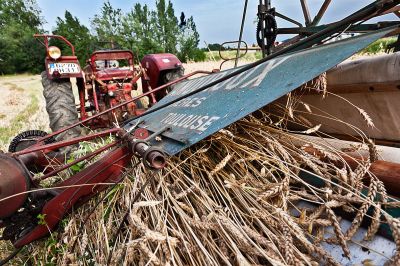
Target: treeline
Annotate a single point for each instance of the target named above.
(19, 52)
(141, 30)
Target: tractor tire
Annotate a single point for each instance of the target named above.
(26, 139)
(168, 77)
(171, 76)
(60, 106)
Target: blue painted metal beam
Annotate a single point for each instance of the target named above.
(204, 113)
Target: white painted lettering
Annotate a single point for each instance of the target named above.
(208, 123)
(199, 122)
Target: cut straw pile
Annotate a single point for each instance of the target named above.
(231, 199)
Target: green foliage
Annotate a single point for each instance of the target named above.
(108, 24)
(41, 219)
(146, 31)
(142, 30)
(24, 12)
(214, 47)
(19, 52)
(379, 46)
(167, 29)
(53, 248)
(189, 40)
(139, 31)
(78, 34)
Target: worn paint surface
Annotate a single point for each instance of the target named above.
(199, 116)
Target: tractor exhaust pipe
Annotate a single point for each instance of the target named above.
(153, 158)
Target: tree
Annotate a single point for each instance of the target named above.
(167, 26)
(78, 34)
(149, 31)
(108, 24)
(139, 31)
(189, 40)
(19, 52)
(215, 47)
(24, 12)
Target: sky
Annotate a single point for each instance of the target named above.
(217, 21)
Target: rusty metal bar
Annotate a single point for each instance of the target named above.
(46, 36)
(321, 12)
(64, 143)
(279, 15)
(94, 95)
(83, 158)
(241, 32)
(261, 16)
(306, 12)
(387, 172)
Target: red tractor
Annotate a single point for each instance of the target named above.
(108, 79)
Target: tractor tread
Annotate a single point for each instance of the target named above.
(60, 106)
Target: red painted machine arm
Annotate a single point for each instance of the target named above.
(49, 36)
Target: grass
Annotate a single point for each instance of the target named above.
(379, 46)
(30, 115)
(17, 123)
(14, 87)
(250, 56)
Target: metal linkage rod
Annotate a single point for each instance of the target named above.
(321, 12)
(241, 32)
(306, 12)
(83, 158)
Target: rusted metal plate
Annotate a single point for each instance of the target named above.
(199, 116)
(14, 180)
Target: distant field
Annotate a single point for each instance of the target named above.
(250, 56)
(377, 47)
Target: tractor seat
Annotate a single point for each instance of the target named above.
(117, 73)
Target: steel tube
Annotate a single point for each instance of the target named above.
(387, 172)
(321, 12)
(57, 145)
(83, 158)
(241, 32)
(306, 12)
(151, 157)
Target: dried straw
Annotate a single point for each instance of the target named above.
(231, 199)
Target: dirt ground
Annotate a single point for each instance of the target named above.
(22, 106)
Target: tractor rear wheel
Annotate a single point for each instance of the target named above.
(60, 106)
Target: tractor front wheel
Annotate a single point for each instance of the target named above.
(166, 78)
(60, 106)
(171, 76)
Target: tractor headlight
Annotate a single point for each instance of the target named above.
(54, 52)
